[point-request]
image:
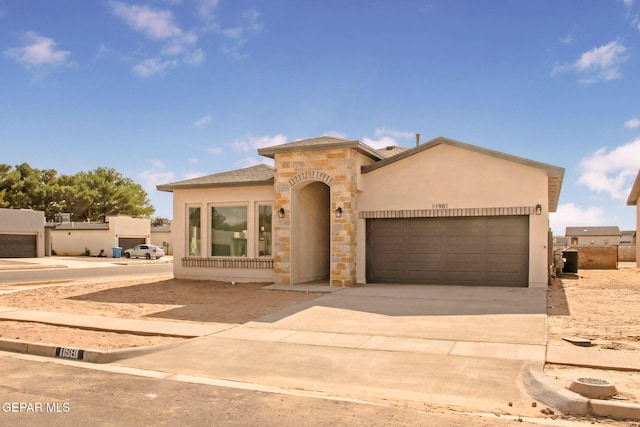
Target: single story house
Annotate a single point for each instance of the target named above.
(593, 236)
(340, 212)
(634, 200)
(21, 233)
(90, 238)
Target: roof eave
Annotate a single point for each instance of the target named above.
(357, 145)
(171, 187)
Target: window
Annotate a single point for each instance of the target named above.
(194, 232)
(229, 231)
(265, 213)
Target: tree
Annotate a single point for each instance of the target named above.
(86, 195)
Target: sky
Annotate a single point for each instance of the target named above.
(167, 90)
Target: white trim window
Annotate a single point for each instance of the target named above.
(194, 231)
(229, 230)
(265, 229)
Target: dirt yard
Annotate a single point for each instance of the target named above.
(604, 307)
(167, 300)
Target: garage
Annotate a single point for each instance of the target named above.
(129, 242)
(18, 246)
(467, 251)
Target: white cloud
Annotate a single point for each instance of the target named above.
(612, 172)
(601, 63)
(159, 25)
(570, 215)
(335, 134)
(254, 143)
(386, 137)
(153, 177)
(155, 24)
(192, 174)
(150, 67)
(239, 34)
(213, 150)
(385, 141)
(203, 121)
(39, 53)
(206, 9)
(632, 123)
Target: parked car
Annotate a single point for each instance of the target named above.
(146, 251)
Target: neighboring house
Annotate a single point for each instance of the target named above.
(76, 238)
(634, 200)
(627, 237)
(21, 233)
(338, 211)
(161, 236)
(593, 236)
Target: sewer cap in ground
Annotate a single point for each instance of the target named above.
(593, 388)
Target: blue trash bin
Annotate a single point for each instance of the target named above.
(117, 252)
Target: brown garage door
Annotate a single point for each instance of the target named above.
(17, 246)
(481, 251)
(129, 242)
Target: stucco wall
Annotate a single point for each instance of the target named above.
(627, 253)
(26, 222)
(456, 178)
(162, 238)
(73, 242)
(205, 199)
(72, 238)
(597, 257)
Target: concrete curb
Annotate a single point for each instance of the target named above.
(546, 391)
(551, 394)
(73, 353)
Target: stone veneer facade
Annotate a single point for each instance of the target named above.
(338, 168)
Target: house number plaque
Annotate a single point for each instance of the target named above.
(439, 206)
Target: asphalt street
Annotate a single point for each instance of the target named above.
(37, 391)
(131, 268)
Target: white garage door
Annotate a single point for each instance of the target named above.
(481, 251)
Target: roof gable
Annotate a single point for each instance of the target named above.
(321, 143)
(635, 192)
(555, 174)
(254, 175)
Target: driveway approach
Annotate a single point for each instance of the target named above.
(458, 346)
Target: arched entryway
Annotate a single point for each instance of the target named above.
(310, 232)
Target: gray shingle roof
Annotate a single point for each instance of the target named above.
(254, 175)
(321, 143)
(593, 231)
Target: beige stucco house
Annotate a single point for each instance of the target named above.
(593, 236)
(75, 238)
(338, 211)
(634, 200)
(21, 233)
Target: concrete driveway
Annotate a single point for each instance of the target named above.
(465, 347)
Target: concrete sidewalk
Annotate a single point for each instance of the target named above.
(481, 348)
